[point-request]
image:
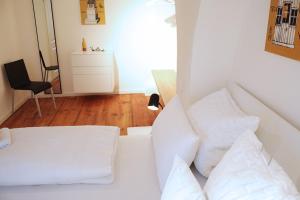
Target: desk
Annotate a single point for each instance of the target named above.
(166, 83)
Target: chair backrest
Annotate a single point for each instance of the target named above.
(42, 59)
(17, 74)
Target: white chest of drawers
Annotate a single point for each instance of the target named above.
(93, 72)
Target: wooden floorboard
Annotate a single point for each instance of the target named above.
(128, 110)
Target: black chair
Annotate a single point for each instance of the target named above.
(19, 80)
(47, 69)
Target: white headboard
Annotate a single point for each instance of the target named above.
(280, 138)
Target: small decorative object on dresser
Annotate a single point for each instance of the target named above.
(84, 45)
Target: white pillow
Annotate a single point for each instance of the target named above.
(219, 122)
(244, 173)
(181, 183)
(172, 135)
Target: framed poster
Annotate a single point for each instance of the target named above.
(283, 36)
(92, 12)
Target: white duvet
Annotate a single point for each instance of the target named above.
(59, 155)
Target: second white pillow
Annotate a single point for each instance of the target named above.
(219, 122)
(244, 173)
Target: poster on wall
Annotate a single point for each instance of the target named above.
(283, 36)
(92, 12)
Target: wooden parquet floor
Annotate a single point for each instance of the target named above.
(126, 110)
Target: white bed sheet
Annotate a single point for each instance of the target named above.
(59, 155)
(135, 178)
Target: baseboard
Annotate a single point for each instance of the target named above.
(72, 94)
(17, 106)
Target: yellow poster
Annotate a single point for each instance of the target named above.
(92, 12)
(283, 36)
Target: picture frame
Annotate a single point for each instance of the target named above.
(92, 12)
(283, 34)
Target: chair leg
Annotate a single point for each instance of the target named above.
(44, 75)
(47, 75)
(53, 99)
(37, 105)
(13, 101)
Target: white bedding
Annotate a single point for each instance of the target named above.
(146, 130)
(135, 178)
(59, 155)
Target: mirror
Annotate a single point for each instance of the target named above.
(45, 31)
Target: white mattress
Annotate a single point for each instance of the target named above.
(135, 178)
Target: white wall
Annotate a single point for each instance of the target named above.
(229, 45)
(217, 32)
(186, 17)
(274, 79)
(27, 37)
(207, 33)
(8, 52)
(16, 44)
(140, 40)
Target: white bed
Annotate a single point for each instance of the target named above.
(135, 169)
